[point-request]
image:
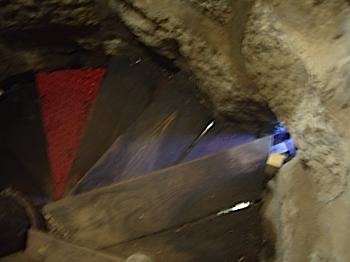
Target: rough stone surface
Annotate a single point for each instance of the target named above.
(220, 10)
(200, 45)
(51, 34)
(17, 60)
(23, 14)
(297, 52)
(296, 93)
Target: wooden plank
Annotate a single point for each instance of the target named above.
(14, 222)
(219, 137)
(125, 92)
(43, 247)
(18, 177)
(23, 140)
(233, 237)
(161, 200)
(162, 133)
(16, 257)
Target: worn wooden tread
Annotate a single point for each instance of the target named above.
(218, 136)
(23, 153)
(44, 247)
(236, 236)
(16, 257)
(161, 200)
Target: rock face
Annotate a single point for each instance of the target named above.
(292, 56)
(219, 10)
(297, 52)
(300, 87)
(51, 34)
(200, 45)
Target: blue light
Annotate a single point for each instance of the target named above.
(283, 143)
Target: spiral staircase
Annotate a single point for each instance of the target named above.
(156, 177)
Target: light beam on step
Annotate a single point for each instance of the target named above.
(209, 126)
(236, 207)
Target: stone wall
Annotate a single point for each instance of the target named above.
(51, 35)
(199, 44)
(298, 54)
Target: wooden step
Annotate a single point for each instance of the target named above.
(17, 214)
(23, 156)
(161, 200)
(163, 132)
(218, 136)
(16, 257)
(44, 247)
(236, 236)
(125, 92)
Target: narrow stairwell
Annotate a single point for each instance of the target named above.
(156, 174)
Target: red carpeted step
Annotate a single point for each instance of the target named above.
(66, 99)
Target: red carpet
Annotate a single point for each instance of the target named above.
(66, 100)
